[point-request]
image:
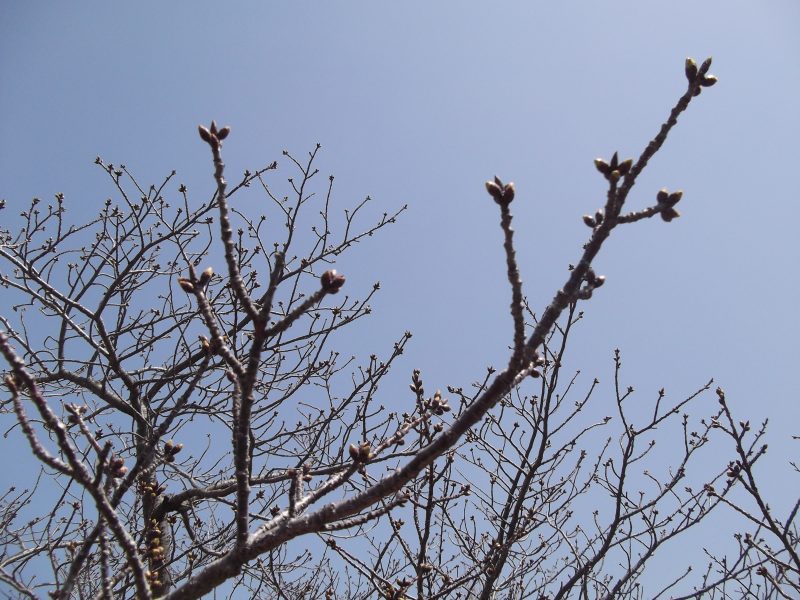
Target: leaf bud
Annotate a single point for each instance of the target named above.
(589, 221)
(662, 196)
(223, 133)
(625, 166)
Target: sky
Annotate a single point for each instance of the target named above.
(419, 103)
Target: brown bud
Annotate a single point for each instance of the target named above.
(508, 192)
(331, 281)
(662, 196)
(213, 128)
(690, 69)
(364, 452)
(602, 166)
(186, 285)
(625, 166)
(353, 450)
(206, 275)
(706, 64)
(205, 134)
(669, 213)
(708, 81)
(589, 221)
(223, 133)
(675, 197)
(495, 191)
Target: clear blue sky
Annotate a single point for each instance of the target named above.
(419, 103)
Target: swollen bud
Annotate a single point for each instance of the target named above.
(602, 166)
(205, 276)
(708, 81)
(223, 133)
(589, 221)
(625, 166)
(690, 69)
(495, 191)
(186, 285)
(331, 281)
(508, 192)
(205, 134)
(669, 213)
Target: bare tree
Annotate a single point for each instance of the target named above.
(197, 432)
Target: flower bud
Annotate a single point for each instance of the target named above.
(223, 133)
(669, 213)
(495, 191)
(205, 276)
(186, 285)
(589, 221)
(602, 166)
(353, 450)
(708, 81)
(691, 69)
(205, 134)
(331, 281)
(508, 193)
(662, 196)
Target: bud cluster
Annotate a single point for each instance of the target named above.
(213, 136)
(116, 467)
(593, 221)
(149, 487)
(666, 202)
(437, 405)
(76, 412)
(170, 450)
(593, 281)
(362, 453)
(614, 169)
(692, 74)
(331, 281)
(502, 193)
(154, 553)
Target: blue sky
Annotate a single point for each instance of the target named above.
(420, 103)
